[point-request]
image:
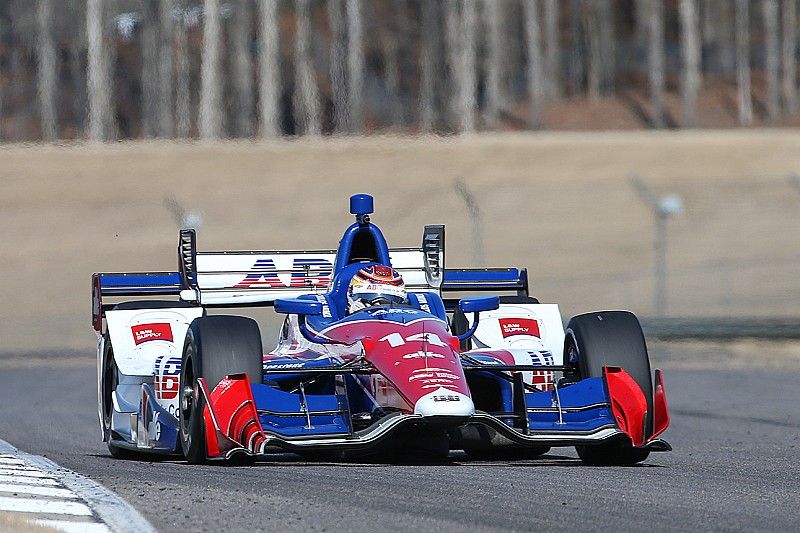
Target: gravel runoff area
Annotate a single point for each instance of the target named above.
(560, 204)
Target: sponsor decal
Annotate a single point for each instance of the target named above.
(306, 272)
(446, 398)
(167, 379)
(282, 366)
(381, 312)
(160, 331)
(519, 326)
(420, 355)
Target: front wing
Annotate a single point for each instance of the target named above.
(251, 419)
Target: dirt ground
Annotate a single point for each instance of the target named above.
(560, 204)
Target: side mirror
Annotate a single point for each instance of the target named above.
(479, 303)
(302, 308)
(476, 305)
(295, 306)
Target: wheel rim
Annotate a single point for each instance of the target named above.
(109, 385)
(187, 400)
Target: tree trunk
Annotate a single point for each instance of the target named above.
(577, 55)
(690, 50)
(494, 52)
(98, 77)
(552, 48)
(429, 50)
(341, 115)
(242, 66)
(392, 39)
(641, 31)
(453, 36)
(210, 121)
(594, 67)
(536, 82)
(306, 93)
(150, 68)
(183, 97)
(269, 87)
(166, 123)
(743, 62)
(770, 14)
(655, 60)
(789, 55)
(608, 45)
(47, 70)
(355, 64)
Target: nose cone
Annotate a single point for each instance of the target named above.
(444, 402)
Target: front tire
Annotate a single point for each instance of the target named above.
(611, 338)
(215, 347)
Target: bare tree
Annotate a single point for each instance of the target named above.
(460, 28)
(355, 64)
(210, 121)
(98, 78)
(655, 60)
(183, 97)
(576, 66)
(242, 67)
(535, 71)
(428, 60)
(269, 87)
(77, 68)
(552, 48)
(46, 70)
(789, 81)
(608, 45)
(743, 62)
(392, 40)
(341, 116)
(150, 67)
(770, 15)
(493, 59)
(594, 68)
(306, 93)
(690, 50)
(166, 123)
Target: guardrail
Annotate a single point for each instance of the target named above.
(721, 328)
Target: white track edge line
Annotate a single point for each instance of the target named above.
(115, 512)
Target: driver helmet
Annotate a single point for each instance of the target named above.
(375, 285)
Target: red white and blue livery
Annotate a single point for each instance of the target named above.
(376, 355)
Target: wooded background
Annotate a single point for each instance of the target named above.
(118, 69)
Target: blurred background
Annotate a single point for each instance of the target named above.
(638, 154)
(130, 69)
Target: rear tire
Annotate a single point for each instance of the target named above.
(611, 338)
(215, 347)
(108, 383)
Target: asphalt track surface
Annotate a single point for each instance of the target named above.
(736, 435)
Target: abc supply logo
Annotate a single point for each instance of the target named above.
(151, 332)
(306, 272)
(167, 378)
(519, 326)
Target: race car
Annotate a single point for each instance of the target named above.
(418, 376)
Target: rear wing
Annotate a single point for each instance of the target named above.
(494, 280)
(257, 278)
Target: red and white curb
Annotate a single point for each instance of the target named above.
(49, 495)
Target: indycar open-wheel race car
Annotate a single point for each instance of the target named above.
(489, 375)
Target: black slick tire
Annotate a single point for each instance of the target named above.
(611, 338)
(215, 347)
(109, 379)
